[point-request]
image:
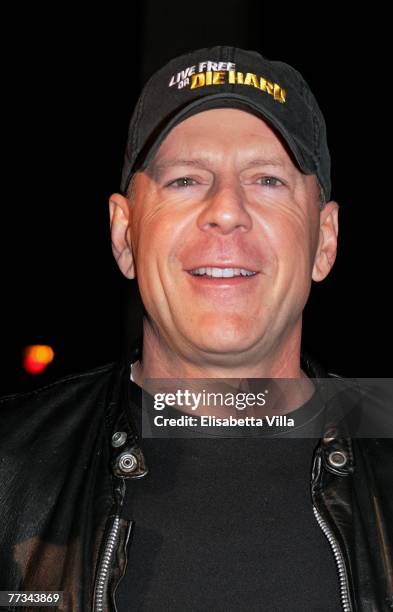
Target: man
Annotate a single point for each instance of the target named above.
(224, 218)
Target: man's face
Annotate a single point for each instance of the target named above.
(223, 193)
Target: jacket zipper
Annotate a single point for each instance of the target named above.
(112, 537)
(339, 559)
(103, 572)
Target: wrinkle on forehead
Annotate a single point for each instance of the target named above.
(205, 141)
(215, 130)
(204, 162)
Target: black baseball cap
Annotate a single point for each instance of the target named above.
(229, 77)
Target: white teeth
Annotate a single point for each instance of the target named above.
(222, 272)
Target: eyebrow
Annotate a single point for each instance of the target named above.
(199, 162)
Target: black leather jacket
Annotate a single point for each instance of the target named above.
(62, 482)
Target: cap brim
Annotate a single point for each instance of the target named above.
(223, 100)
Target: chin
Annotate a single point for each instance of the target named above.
(225, 334)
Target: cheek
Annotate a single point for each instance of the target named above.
(158, 238)
(290, 239)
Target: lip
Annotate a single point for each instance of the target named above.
(207, 282)
(222, 266)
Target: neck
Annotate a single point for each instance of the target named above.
(281, 360)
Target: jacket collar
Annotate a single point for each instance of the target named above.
(127, 455)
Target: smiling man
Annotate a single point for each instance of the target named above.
(224, 217)
(225, 222)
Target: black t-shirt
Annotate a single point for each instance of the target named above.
(227, 524)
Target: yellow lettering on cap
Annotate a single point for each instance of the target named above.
(218, 77)
(269, 87)
(232, 77)
(208, 78)
(266, 86)
(251, 79)
(239, 78)
(197, 80)
(279, 93)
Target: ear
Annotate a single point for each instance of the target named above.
(325, 255)
(119, 213)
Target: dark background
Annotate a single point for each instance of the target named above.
(70, 83)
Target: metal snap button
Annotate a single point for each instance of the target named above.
(127, 463)
(330, 435)
(119, 438)
(338, 459)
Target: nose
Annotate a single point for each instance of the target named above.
(225, 211)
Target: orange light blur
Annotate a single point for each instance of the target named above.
(37, 357)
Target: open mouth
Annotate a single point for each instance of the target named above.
(220, 273)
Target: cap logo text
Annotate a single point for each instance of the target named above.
(218, 73)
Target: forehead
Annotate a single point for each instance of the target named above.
(223, 134)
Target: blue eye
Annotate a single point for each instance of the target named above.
(184, 181)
